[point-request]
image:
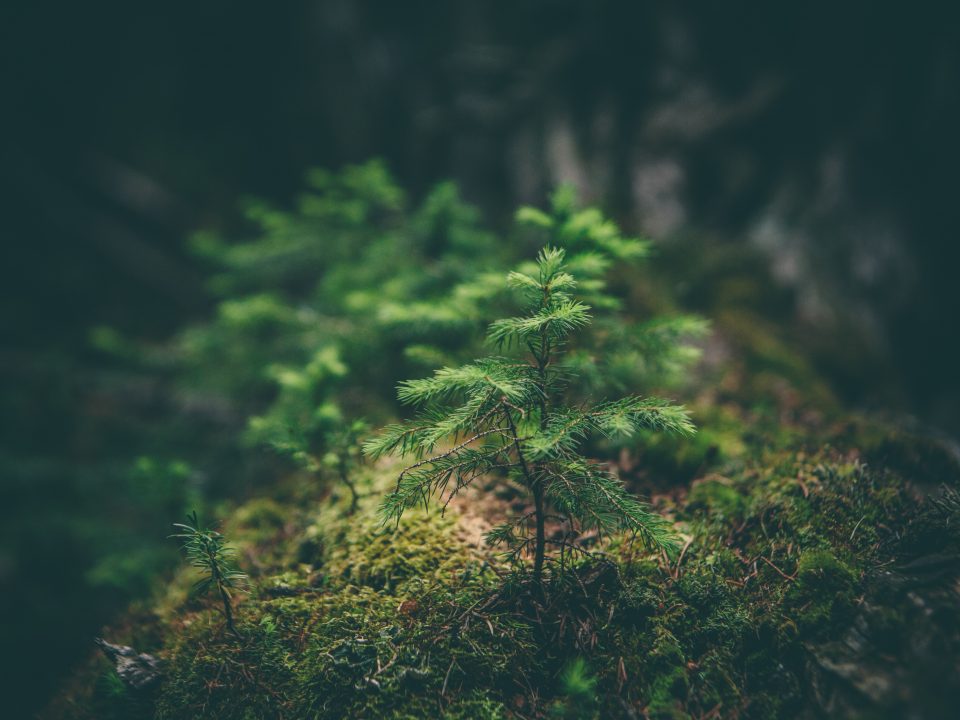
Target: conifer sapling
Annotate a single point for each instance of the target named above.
(207, 551)
(503, 416)
(344, 455)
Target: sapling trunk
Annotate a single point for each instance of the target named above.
(344, 455)
(221, 588)
(542, 356)
(228, 611)
(354, 497)
(539, 547)
(540, 542)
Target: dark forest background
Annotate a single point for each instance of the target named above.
(818, 141)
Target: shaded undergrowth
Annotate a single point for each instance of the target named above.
(818, 578)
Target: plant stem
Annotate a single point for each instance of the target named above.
(540, 546)
(541, 536)
(224, 596)
(228, 611)
(345, 478)
(543, 360)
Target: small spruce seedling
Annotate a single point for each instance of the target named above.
(503, 416)
(207, 551)
(344, 455)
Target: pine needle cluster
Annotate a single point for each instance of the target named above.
(509, 417)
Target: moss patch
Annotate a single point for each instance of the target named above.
(791, 549)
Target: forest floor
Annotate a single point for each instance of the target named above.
(819, 577)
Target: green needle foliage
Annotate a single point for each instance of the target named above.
(511, 417)
(614, 355)
(579, 688)
(208, 552)
(323, 307)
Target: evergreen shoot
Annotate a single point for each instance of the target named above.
(345, 455)
(208, 552)
(511, 417)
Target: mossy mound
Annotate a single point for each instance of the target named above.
(818, 578)
(806, 581)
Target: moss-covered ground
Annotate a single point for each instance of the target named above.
(818, 578)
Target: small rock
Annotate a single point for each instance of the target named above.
(136, 670)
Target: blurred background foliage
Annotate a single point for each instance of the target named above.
(798, 159)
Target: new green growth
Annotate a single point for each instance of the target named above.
(512, 418)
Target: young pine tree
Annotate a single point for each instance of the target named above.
(208, 552)
(509, 417)
(305, 422)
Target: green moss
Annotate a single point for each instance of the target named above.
(667, 696)
(261, 517)
(421, 550)
(716, 496)
(824, 592)
(688, 643)
(352, 619)
(359, 631)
